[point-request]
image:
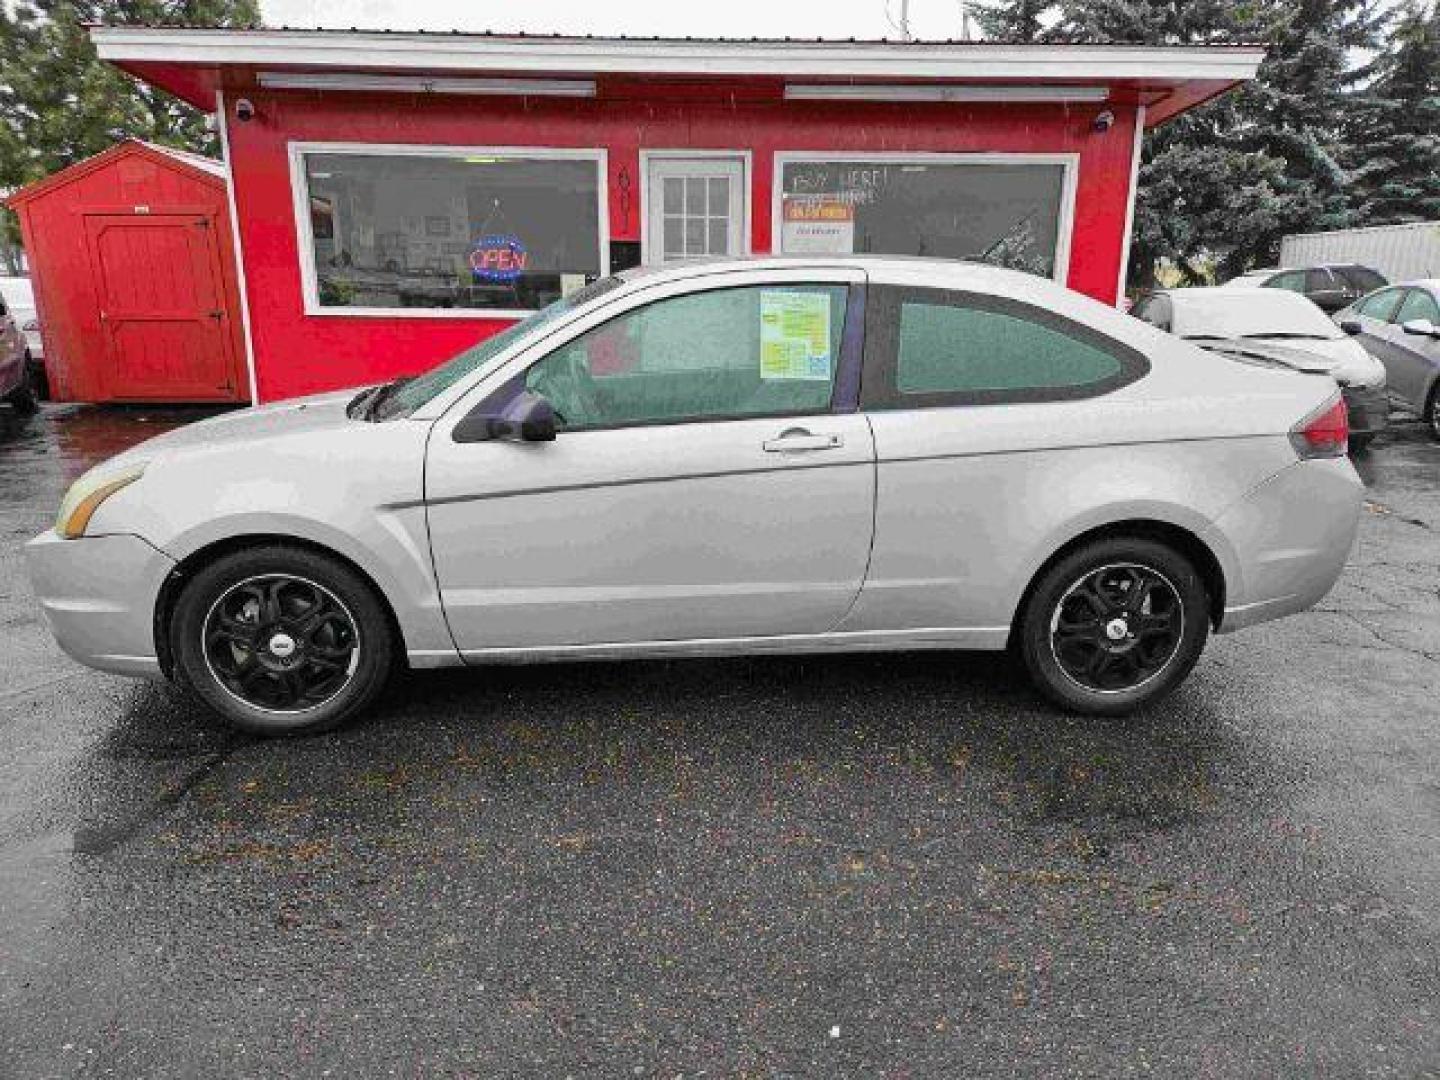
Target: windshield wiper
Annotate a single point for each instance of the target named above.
(367, 404)
(1288, 335)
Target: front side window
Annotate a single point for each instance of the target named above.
(1380, 306)
(993, 212)
(766, 350)
(483, 231)
(927, 347)
(1418, 304)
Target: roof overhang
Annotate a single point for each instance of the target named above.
(193, 63)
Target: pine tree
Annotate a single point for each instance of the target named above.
(1014, 21)
(60, 104)
(1394, 138)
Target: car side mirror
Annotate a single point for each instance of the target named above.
(1351, 326)
(527, 418)
(1421, 328)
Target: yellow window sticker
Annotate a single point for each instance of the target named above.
(795, 335)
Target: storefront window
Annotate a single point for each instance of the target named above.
(475, 231)
(1007, 214)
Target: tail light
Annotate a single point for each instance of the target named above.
(1324, 433)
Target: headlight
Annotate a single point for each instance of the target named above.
(86, 495)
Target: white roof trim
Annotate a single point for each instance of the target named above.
(835, 59)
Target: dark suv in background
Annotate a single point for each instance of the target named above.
(1332, 286)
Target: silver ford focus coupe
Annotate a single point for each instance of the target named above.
(741, 457)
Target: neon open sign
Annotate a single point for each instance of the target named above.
(498, 257)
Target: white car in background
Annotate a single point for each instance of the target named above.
(1279, 327)
(757, 456)
(17, 294)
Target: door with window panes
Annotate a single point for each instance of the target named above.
(696, 208)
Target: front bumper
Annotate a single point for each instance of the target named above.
(98, 595)
(1369, 409)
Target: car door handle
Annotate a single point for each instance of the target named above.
(798, 439)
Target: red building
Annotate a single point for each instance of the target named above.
(135, 278)
(398, 196)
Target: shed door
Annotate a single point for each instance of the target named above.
(162, 306)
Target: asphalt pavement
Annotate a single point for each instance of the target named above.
(900, 866)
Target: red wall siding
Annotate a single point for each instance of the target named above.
(297, 354)
(53, 225)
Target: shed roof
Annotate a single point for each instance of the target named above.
(194, 62)
(204, 168)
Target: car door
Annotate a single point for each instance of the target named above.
(1415, 357)
(710, 479)
(960, 389)
(1372, 315)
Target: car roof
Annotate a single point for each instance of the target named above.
(952, 272)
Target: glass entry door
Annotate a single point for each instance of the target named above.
(695, 207)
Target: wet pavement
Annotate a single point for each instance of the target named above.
(878, 866)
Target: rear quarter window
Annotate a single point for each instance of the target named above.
(927, 347)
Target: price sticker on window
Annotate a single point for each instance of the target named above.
(795, 336)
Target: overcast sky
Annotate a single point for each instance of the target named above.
(726, 18)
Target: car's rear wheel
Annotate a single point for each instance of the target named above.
(1432, 410)
(22, 398)
(282, 640)
(1114, 626)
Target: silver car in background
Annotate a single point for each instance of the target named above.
(756, 456)
(1281, 328)
(1400, 327)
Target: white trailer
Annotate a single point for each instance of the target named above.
(1400, 252)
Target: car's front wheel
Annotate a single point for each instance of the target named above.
(1114, 625)
(282, 640)
(1432, 410)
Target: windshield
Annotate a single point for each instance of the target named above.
(412, 394)
(1241, 313)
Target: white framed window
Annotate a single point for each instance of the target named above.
(446, 231)
(694, 204)
(1015, 210)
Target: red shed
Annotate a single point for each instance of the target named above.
(401, 195)
(135, 279)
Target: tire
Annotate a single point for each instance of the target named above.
(1432, 411)
(255, 625)
(22, 398)
(1090, 648)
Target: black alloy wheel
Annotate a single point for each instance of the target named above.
(282, 640)
(1117, 627)
(1114, 625)
(281, 643)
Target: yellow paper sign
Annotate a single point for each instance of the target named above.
(795, 335)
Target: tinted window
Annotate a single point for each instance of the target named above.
(928, 347)
(1319, 280)
(1361, 278)
(1380, 306)
(1418, 304)
(477, 231)
(994, 212)
(755, 351)
(1294, 281)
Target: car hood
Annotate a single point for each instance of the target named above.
(248, 426)
(1343, 359)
